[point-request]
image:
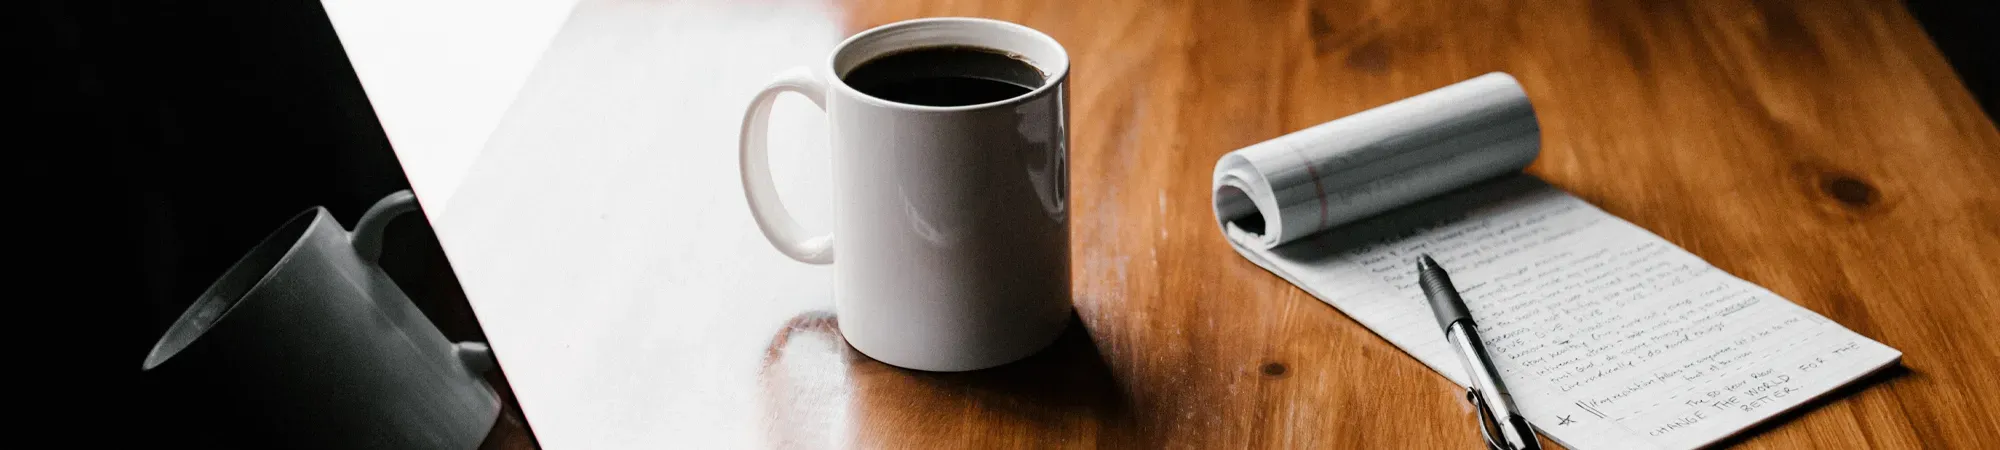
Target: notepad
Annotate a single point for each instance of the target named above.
(1607, 335)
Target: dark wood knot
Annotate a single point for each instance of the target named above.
(1273, 369)
(1850, 191)
(1324, 39)
(1370, 57)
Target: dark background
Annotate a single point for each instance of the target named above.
(174, 136)
(1968, 32)
(162, 139)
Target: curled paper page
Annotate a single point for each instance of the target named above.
(1312, 180)
(1609, 337)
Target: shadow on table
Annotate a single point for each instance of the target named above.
(1065, 392)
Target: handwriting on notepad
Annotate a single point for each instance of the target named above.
(1474, 243)
(1636, 330)
(1607, 334)
(1749, 393)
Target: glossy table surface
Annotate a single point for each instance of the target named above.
(1821, 149)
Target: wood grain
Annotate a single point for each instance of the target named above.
(1822, 149)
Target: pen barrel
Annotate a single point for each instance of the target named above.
(1484, 380)
(1481, 374)
(1524, 432)
(1444, 299)
(1498, 414)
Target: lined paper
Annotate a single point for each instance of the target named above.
(1607, 335)
(1354, 167)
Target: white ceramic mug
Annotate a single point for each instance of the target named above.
(327, 351)
(952, 223)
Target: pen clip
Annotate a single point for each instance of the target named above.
(1489, 425)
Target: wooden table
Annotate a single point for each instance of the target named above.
(1822, 149)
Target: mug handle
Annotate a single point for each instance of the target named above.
(367, 241)
(772, 217)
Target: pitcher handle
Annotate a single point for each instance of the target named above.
(475, 356)
(368, 233)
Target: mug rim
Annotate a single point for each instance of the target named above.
(160, 353)
(1055, 77)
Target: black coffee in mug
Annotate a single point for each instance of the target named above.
(945, 76)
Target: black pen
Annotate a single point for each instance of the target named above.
(1500, 423)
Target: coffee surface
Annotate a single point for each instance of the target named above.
(945, 76)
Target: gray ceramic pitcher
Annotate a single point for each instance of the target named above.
(329, 351)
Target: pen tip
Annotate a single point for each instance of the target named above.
(1425, 264)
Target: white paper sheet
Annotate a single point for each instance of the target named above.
(1607, 335)
(1361, 165)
